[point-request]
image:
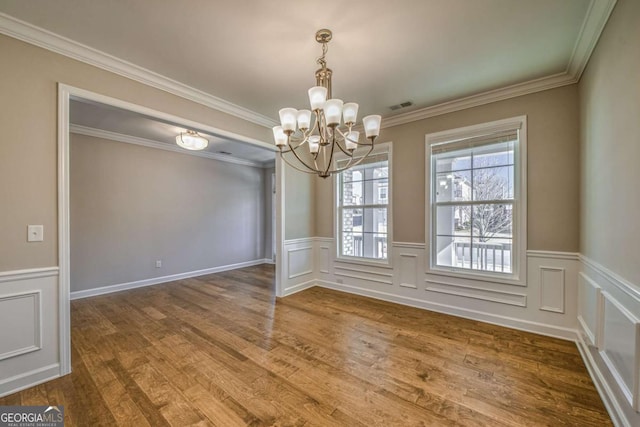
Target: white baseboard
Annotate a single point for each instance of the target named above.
(509, 322)
(608, 398)
(164, 279)
(29, 379)
(299, 287)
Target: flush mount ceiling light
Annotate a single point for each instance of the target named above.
(324, 138)
(191, 140)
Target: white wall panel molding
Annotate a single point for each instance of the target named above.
(552, 289)
(621, 348)
(299, 265)
(573, 256)
(408, 245)
(23, 311)
(609, 338)
(29, 332)
(102, 290)
(40, 37)
(475, 292)
(614, 279)
(590, 310)
(300, 261)
(408, 266)
(602, 381)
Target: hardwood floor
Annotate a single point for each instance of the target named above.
(219, 350)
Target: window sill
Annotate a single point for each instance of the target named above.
(483, 277)
(364, 261)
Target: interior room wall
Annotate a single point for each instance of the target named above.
(133, 205)
(552, 156)
(28, 115)
(610, 146)
(268, 188)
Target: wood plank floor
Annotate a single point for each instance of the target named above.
(219, 350)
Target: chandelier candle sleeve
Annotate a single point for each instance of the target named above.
(352, 140)
(317, 97)
(333, 111)
(326, 129)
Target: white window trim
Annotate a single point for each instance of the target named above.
(381, 148)
(519, 275)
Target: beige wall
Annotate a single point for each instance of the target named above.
(552, 159)
(610, 146)
(28, 150)
(132, 205)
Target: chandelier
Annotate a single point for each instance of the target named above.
(325, 137)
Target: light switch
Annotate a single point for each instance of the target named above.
(35, 233)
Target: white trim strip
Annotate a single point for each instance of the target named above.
(119, 137)
(40, 37)
(616, 280)
(29, 379)
(572, 256)
(31, 273)
(158, 280)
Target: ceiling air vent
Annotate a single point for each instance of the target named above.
(402, 105)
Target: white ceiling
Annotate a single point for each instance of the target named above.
(90, 118)
(261, 54)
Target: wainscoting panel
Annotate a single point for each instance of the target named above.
(552, 289)
(29, 333)
(609, 332)
(620, 347)
(477, 292)
(299, 265)
(24, 311)
(590, 306)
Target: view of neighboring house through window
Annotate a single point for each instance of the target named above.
(474, 200)
(363, 198)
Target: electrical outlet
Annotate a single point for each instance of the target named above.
(339, 280)
(158, 263)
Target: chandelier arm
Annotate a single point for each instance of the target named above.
(326, 171)
(356, 163)
(343, 149)
(310, 171)
(300, 160)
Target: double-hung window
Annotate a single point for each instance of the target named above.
(363, 194)
(477, 199)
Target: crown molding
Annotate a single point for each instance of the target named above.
(114, 136)
(595, 19)
(40, 37)
(592, 26)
